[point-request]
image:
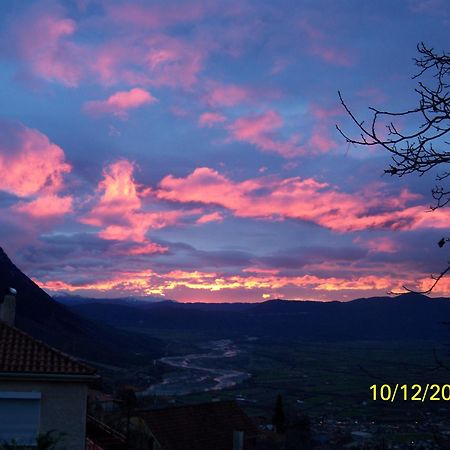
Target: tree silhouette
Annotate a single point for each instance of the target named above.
(279, 418)
(425, 147)
(127, 396)
(45, 441)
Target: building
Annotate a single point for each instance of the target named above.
(41, 388)
(217, 425)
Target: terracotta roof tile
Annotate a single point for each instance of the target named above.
(19, 352)
(204, 426)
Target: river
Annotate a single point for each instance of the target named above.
(201, 371)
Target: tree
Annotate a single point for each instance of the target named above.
(44, 441)
(127, 396)
(49, 440)
(425, 148)
(279, 418)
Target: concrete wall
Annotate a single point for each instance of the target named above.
(63, 408)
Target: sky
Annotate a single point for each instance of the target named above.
(187, 149)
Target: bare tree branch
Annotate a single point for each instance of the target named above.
(436, 279)
(424, 148)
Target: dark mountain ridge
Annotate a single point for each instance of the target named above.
(406, 317)
(68, 300)
(44, 318)
(86, 328)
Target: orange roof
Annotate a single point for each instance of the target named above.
(203, 426)
(22, 354)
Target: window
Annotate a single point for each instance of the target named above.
(19, 417)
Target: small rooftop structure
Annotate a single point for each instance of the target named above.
(8, 306)
(217, 425)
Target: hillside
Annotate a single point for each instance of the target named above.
(406, 317)
(44, 318)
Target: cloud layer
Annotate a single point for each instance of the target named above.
(189, 149)
(120, 103)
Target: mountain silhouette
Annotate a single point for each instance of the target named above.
(44, 318)
(406, 317)
(87, 328)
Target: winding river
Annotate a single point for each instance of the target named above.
(200, 372)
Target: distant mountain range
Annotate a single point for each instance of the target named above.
(406, 317)
(90, 327)
(44, 318)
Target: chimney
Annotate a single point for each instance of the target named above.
(238, 440)
(8, 307)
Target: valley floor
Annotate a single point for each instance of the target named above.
(330, 382)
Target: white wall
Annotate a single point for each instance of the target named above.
(20, 414)
(63, 408)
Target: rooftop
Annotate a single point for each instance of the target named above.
(20, 353)
(199, 427)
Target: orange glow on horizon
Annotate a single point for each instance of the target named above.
(151, 283)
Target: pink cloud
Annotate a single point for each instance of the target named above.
(320, 141)
(331, 55)
(43, 41)
(261, 270)
(156, 60)
(380, 244)
(112, 59)
(173, 62)
(46, 43)
(226, 95)
(120, 212)
(260, 129)
(53, 46)
(209, 119)
(211, 217)
(146, 249)
(151, 16)
(204, 185)
(319, 45)
(120, 103)
(325, 114)
(46, 206)
(150, 282)
(29, 162)
(251, 283)
(137, 224)
(302, 199)
(33, 168)
(119, 194)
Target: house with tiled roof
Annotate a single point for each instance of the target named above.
(221, 425)
(41, 388)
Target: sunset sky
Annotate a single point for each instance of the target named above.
(187, 149)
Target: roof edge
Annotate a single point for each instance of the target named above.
(13, 376)
(73, 359)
